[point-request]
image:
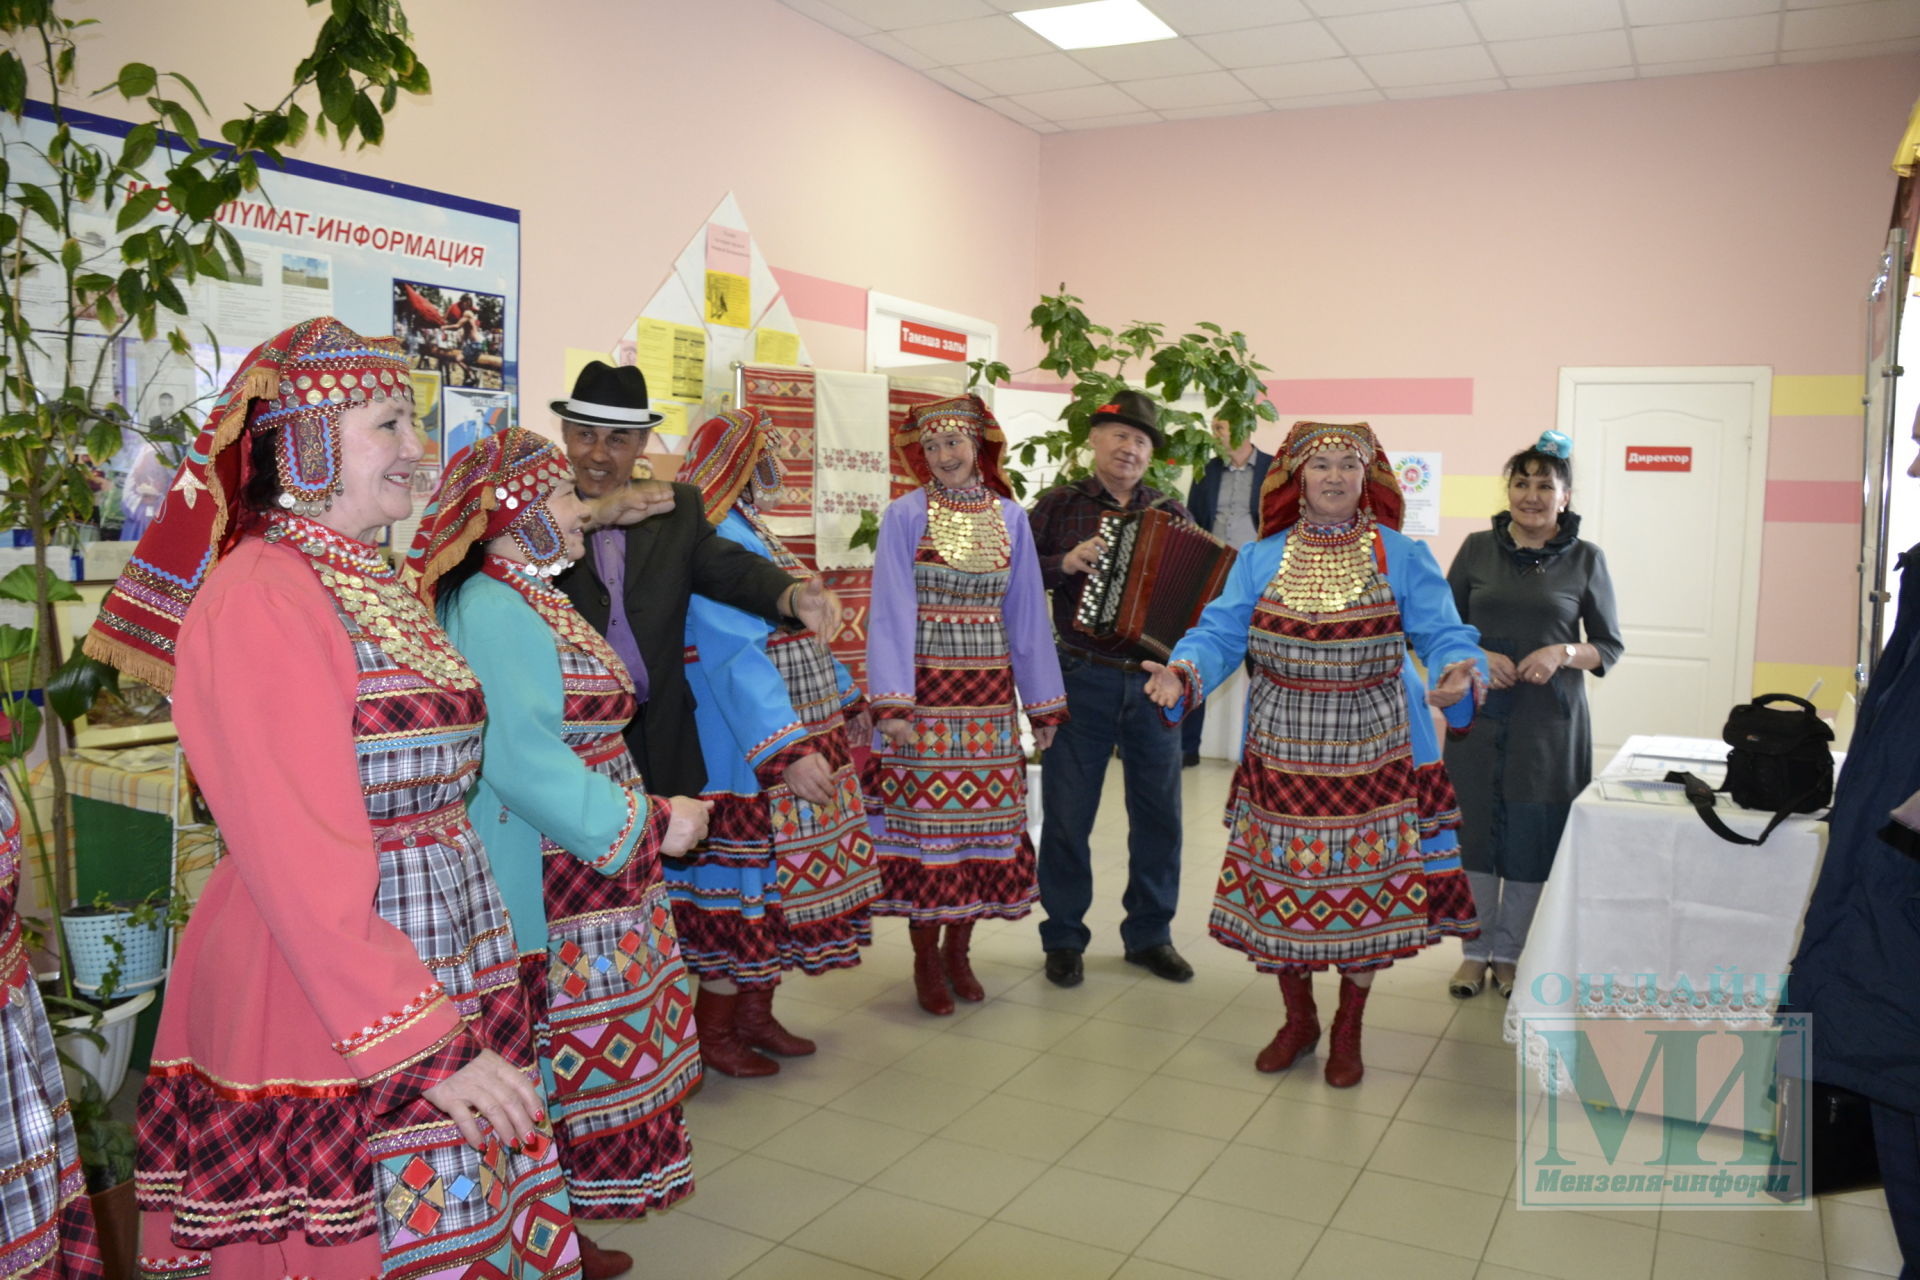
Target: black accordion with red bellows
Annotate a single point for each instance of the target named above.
(1156, 575)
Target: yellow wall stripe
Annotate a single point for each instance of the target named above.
(1818, 395)
(1475, 497)
(1798, 677)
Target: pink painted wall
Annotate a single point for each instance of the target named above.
(1690, 220)
(615, 127)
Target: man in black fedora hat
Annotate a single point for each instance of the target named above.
(1106, 696)
(640, 573)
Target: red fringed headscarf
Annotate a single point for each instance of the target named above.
(725, 452)
(297, 384)
(968, 416)
(1280, 495)
(498, 484)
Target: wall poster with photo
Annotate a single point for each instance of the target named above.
(316, 241)
(468, 415)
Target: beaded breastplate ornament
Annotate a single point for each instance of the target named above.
(1324, 570)
(552, 604)
(369, 591)
(967, 528)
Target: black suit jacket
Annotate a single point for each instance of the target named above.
(1204, 498)
(669, 558)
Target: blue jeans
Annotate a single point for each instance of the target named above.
(1107, 708)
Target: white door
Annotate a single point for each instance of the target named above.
(1669, 472)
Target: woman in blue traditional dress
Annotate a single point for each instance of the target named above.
(572, 834)
(959, 624)
(1341, 845)
(787, 875)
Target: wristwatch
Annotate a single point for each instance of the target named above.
(1572, 651)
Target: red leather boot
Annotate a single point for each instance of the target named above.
(721, 1048)
(1344, 1067)
(1300, 1032)
(601, 1264)
(929, 973)
(759, 1029)
(959, 967)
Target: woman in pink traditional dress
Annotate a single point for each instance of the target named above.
(788, 873)
(959, 622)
(1342, 850)
(343, 1084)
(572, 834)
(46, 1220)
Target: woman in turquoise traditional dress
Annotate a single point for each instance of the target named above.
(573, 836)
(1341, 845)
(787, 874)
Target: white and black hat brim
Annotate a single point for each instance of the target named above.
(587, 413)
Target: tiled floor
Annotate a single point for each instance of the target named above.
(1118, 1131)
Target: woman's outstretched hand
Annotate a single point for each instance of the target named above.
(1164, 686)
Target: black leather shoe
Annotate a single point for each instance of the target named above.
(1190, 759)
(1064, 969)
(1162, 962)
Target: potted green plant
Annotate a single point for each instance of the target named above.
(58, 410)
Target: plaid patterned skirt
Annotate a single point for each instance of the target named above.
(46, 1221)
(950, 814)
(786, 884)
(240, 1168)
(1341, 851)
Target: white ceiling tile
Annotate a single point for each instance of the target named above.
(1438, 27)
(1707, 66)
(1328, 100)
(1207, 89)
(1224, 109)
(1643, 13)
(1078, 104)
(973, 40)
(1265, 46)
(1113, 122)
(1029, 75)
(1047, 126)
(1014, 6)
(1197, 17)
(1596, 75)
(889, 15)
(965, 86)
(1694, 41)
(1429, 66)
(892, 47)
(1336, 8)
(1852, 24)
(1014, 111)
(1532, 19)
(1817, 4)
(1447, 90)
(1335, 75)
(1145, 60)
(1555, 54)
(1835, 52)
(828, 16)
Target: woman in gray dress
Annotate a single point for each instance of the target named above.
(1532, 587)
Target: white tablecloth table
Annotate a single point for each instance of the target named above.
(1643, 894)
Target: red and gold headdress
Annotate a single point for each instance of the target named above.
(498, 484)
(969, 416)
(725, 452)
(297, 384)
(1280, 495)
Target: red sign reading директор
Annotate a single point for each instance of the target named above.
(1659, 458)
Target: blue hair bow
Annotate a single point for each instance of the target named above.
(1555, 443)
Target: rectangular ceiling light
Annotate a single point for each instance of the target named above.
(1097, 25)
